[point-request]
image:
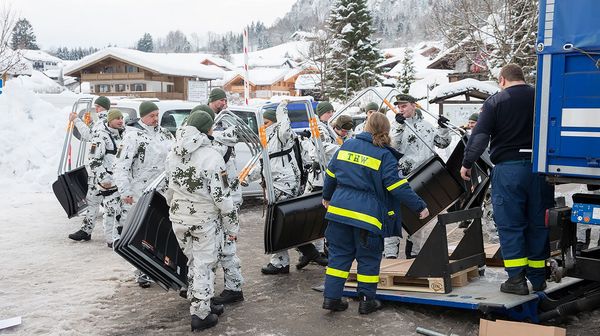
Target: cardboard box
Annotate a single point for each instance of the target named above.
(503, 328)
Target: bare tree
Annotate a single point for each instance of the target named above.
(489, 33)
(9, 59)
(316, 56)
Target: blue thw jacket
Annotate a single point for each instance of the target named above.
(364, 186)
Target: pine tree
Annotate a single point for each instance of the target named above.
(354, 55)
(407, 75)
(145, 43)
(23, 36)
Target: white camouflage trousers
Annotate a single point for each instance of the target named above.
(198, 243)
(112, 210)
(227, 257)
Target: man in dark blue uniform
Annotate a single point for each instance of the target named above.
(519, 196)
(362, 184)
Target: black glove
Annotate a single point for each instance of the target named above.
(400, 118)
(443, 121)
(304, 134)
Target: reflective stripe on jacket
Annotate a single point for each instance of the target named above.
(363, 183)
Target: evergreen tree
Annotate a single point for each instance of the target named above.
(353, 53)
(23, 36)
(407, 75)
(145, 43)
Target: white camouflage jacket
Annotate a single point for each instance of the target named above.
(141, 157)
(284, 169)
(105, 142)
(86, 130)
(223, 141)
(331, 143)
(415, 151)
(198, 191)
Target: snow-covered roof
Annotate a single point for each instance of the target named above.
(218, 61)
(263, 76)
(275, 56)
(227, 77)
(39, 55)
(307, 82)
(173, 64)
(445, 91)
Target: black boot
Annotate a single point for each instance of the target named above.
(209, 321)
(271, 269)
(321, 260)
(216, 309)
(80, 235)
(228, 296)
(335, 304)
(540, 288)
(367, 306)
(516, 285)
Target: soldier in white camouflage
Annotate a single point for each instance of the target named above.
(141, 156)
(200, 202)
(369, 109)
(329, 139)
(105, 139)
(415, 138)
(140, 160)
(102, 105)
(223, 141)
(285, 174)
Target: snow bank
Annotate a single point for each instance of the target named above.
(38, 82)
(31, 137)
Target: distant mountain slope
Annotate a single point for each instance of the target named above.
(397, 22)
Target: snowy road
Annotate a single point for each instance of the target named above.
(61, 287)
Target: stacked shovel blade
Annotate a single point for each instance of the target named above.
(149, 243)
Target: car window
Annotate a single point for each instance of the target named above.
(172, 119)
(128, 113)
(249, 118)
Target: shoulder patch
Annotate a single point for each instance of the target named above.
(93, 148)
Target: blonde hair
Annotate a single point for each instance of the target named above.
(379, 126)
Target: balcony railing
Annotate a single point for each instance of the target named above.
(113, 76)
(146, 94)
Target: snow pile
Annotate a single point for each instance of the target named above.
(461, 86)
(31, 137)
(38, 82)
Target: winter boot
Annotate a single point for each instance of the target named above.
(228, 296)
(80, 235)
(539, 288)
(209, 321)
(321, 260)
(216, 309)
(271, 269)
(367, 306)
(516, 285)
(335, 304)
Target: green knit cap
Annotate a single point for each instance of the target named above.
(201, 120)
(216, 94)
(270, 114)
(114, 114)
(371, 107)
(344, 122)
(103, 101)
(474, 117)
(324, 107)
(146, 108)
(204, 108)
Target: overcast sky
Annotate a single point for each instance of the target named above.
(75, 23)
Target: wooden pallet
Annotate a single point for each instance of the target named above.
(392, 276)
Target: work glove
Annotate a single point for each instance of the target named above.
(443, 122)
(400, 118)
(304, 134)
